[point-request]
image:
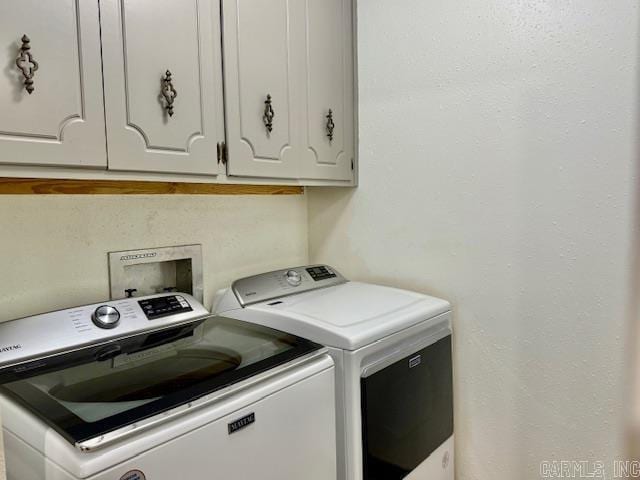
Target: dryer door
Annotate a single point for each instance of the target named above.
(407, 411)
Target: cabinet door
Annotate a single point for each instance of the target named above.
(330, 90)
(61, 122)
(152, 47)
(263, 46)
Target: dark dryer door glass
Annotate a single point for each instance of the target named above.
(407, 412)
(85, 394)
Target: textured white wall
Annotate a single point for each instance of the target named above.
(498, 142)
(53, 249)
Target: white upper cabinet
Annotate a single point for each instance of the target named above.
(137, 85)
(51, 108)
(163, 84)
(289, 88)
(262, 87)
(329, 88)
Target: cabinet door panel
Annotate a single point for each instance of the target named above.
(142, 41)
(329, 86)
(62, 121)
(260, 56)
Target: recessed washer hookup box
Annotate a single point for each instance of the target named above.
(154, 270)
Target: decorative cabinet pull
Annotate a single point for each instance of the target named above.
(330, 125)
(27, 64)
(269, 114)
(168, 92)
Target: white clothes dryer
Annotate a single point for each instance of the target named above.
(392, 350)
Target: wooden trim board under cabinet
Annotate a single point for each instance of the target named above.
(51, 186)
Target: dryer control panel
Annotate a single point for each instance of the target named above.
(271, 285)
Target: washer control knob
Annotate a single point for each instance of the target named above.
(293, 278)
(106, 317)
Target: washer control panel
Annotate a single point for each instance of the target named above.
(271, 285)
(159, 307)
(28, 339)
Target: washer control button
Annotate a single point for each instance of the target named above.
(293, 278)
(106, 316)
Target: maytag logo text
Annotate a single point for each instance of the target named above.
(10, 348)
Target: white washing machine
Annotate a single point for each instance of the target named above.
(392, 350)
(155, 388)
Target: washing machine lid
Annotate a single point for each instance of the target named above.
(347, 316)
(93, 394)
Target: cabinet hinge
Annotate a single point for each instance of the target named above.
(352, 164)
(222, 153)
